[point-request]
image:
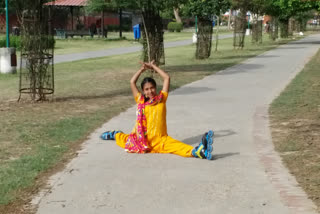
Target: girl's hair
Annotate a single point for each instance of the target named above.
(148, 80)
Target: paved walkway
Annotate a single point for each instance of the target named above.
(119, 51)
(246, 175)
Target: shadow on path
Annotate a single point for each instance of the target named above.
(192, 90)
(242, 68)
(305, 42)
(222, 133)
(217, 134)
(249, 56)
(198, 67)
(293, 48)
(224, 155)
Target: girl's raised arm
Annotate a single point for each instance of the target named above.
(134, 79)
(164, 75)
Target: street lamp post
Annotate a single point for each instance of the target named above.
(7, 24)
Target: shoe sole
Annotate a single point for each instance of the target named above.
(209, 139)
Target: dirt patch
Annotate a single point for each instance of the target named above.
(298, 144)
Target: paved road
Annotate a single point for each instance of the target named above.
(246, 175)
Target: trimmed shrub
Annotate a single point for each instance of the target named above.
(125, 27)
(15, 42)
(175, 26)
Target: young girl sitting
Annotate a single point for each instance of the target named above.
(150, 131)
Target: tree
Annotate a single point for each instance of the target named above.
(101, 6)
(204, 10)
(285, 9)
(152, 27)
(37, 44)
(176, 9)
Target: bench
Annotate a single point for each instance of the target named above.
(81, 33)
(63, 34)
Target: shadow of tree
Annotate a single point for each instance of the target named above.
(248, 56)
(109, 94)
(306, 42)
(192, 90)
(244, 68)
(198, 67)
(293, 48)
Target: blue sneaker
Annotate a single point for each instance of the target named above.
(109, 135)
(205, 148)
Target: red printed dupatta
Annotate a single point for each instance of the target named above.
(137, 142)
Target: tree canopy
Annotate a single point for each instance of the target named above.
(101, 5)
(284, 9)
(206, 9)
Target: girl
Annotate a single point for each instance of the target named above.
(150, 131)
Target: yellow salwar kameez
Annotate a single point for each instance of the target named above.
(157, 136)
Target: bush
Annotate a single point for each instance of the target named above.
(113, 28)
(15, 42)
(125, 27)
(175, 26)
(2, 42)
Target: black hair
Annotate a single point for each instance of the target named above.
(148, 80)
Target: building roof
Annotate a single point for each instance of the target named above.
(78, 3)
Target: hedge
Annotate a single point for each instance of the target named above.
(15, 42)
(175, 26)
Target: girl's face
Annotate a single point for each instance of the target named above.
(149, 90)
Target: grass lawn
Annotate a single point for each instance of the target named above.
(36, 138)
(295, 119)
(78, 45)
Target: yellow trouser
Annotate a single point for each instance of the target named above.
(165, 144)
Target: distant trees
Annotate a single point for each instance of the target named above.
(285, 9)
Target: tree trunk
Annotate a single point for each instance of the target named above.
(291, 26)
(256, 26)
(152, 34)
(217, 32)
(274, 26)
(37, 45)
(120, 21)
(176, 14)
(284, 28)
(240, 26)
(102, 24)
(204, 40)
(229, 19)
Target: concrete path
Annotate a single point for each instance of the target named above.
(246, 175)
(119, 51)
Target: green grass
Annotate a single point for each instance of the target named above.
(77, 45)
(296, 127)
(35, 137)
